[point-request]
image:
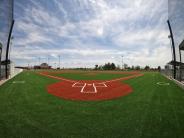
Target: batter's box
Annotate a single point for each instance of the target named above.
(78, 84)
(100, 85)
(88, 87)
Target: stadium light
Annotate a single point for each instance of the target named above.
(122, 63)
(48, 59)
(59, 60)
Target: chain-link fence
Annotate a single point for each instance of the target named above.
(6, 24)
(176, 19)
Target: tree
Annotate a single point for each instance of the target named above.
(147, 67)
(159, 68)
(100, 67)
(96, 67)
(109, 66)
(137, 67)
(113, 66)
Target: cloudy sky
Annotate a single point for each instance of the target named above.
(88, 32)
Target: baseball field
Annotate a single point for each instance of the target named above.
(84, 104)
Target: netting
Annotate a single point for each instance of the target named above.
(6, 18)
(176, 18)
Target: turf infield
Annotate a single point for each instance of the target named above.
(151, 110)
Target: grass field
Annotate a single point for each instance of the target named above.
(91, 76)
(151, 110)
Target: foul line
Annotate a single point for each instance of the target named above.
(124, 78)
(94, 86)
(82, 85)
(58, 78)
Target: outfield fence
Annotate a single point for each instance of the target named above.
(169, 73)
(13, 72)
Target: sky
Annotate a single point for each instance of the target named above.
(88, 32)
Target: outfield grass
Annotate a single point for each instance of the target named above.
(92, 76)
(151, 110)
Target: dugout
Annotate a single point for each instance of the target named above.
(179, 69)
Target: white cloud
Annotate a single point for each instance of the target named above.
(134, 28)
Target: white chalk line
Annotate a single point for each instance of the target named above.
(94, 85)
(163, 83)
(58, 78)
(124, 78)
(94, 88)
(75, 83)
(18, 82)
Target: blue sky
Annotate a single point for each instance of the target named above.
(89, 32)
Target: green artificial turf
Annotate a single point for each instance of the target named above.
(151, 110)
(88, 76)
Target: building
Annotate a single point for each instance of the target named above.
(42, 66)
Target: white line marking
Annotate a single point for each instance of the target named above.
(163, 83)
(74, 84)
(95, 88)
(18, 82)
(124, 78)
(105, 85)
(83, 87)
(78, 84)
(101, 84)
(94, 85)
(58, 78)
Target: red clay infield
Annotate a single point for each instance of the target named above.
(89, 90)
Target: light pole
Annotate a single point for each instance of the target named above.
(122, 62)
(59, 61)
(55, 65)
(39, 61)
(48, 60)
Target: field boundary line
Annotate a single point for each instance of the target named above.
(124, 78)
(58, 78)
(113, 80)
